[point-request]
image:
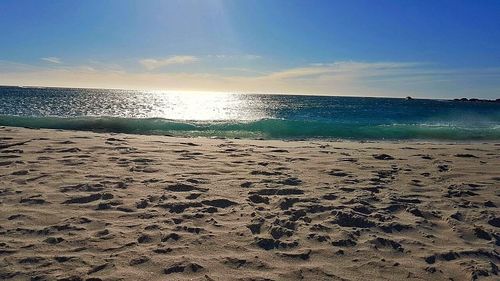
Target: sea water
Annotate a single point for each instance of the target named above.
(237, 115)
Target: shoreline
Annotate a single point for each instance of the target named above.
(82, 205)
(298, 140)
(114, 126)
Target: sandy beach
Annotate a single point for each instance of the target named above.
(91, 206)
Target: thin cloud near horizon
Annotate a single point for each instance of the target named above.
(357, 78)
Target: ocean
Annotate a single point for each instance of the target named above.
(248, 115)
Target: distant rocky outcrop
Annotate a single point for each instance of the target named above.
(476, 100)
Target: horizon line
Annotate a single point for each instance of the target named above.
(237, 92)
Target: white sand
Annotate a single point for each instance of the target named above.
(87, 206)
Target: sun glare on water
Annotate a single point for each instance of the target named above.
(204, 106)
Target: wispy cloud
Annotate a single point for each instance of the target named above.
(394, 79)
(55, 60)
(236, 57)
(246, 70)
(343, 68)
(151, 64)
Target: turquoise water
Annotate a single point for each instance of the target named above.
(248, 115)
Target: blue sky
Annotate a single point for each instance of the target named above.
(370, 48)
